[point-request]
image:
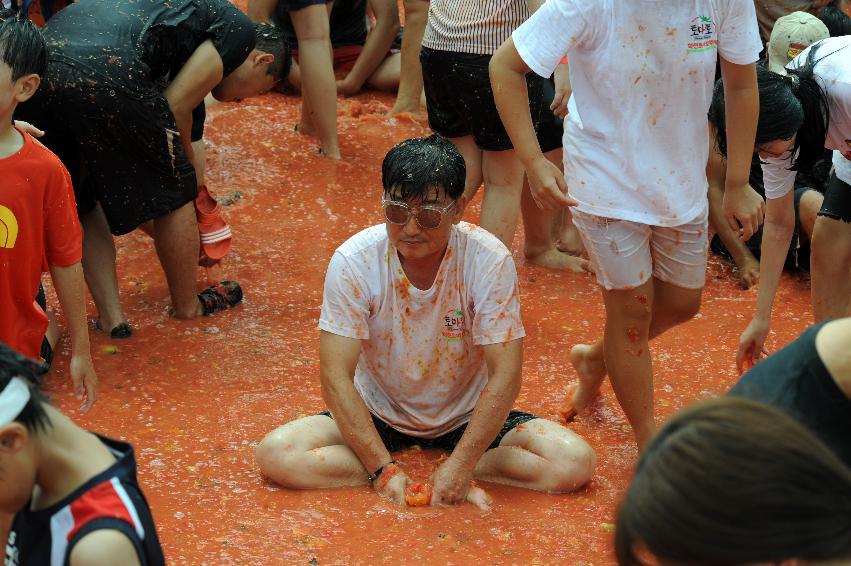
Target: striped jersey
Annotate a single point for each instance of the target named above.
(110, 500)
(473, 26)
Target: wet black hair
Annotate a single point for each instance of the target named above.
(788, 105)
(837, 22)
(732, 481)
(415, 167)
(22, 47)
(12, 364)
(270, 39)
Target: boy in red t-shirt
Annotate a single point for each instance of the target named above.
(38, 218)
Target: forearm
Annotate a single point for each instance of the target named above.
(512, 101)
(489, 415)
(742, 109)
(354, 421)
(374, 51)
(183, 120)
(70, 289)
(776, 236)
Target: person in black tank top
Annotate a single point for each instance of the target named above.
(74, 495)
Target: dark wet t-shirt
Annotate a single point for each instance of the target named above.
(348, 23)
(133, 43)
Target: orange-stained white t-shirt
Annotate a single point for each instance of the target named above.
(422, 365)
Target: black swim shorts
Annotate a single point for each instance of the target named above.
(395, 440)
(837, 200)
(459, 100)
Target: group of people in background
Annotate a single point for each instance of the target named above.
(623, 134)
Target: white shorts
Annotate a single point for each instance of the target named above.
(626, 254)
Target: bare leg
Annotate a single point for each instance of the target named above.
(808, 210)
(199, 148)
(569, 240)
(830, 266)
(633, 317)
(411, 73)
(503, 176)
(540, 228)
(53, 334)
(309, 453)
(319, 87)
(386, 77)
(473, 160)
(99, 268)
(176, 240)
(539, 455)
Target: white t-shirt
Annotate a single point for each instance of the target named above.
(636, 140)
(422, 365)
(833, 72)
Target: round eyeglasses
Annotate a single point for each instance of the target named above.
(427, 216)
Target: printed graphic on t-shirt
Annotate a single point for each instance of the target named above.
(8, 228)
(453, 329)
(703, 35)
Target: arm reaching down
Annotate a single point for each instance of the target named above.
(377, 45)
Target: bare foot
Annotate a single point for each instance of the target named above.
(410, 106)
(591, 370)
(330, 154)
(748, 271)
(555, 259)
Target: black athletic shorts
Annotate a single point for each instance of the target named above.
(459, 100)
(798, 256)
(122, 149)
(837, 200)
(796, 381)
(46, 352)
(395, 440)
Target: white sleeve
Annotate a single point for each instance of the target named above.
(558, 27)
(345, 306)
(738, 33)
(496, 303)
(776, 176)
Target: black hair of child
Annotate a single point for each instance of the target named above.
(732, 481)
(12, 364)
(415, 168)
(788, 105)
(22, 47)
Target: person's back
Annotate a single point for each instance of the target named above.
(131, 43)
(473, 27)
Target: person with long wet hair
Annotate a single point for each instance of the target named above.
(801, 113)
(731, 481)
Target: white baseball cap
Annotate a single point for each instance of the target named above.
(792, 34)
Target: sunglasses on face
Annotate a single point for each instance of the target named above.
(427, 216)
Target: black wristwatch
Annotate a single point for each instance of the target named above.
(374, 475)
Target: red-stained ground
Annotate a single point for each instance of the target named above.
(195, 397)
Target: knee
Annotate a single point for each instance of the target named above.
(572, 468)
(687, 310)
(276, 456)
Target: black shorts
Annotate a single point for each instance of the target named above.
(798, 255)
(121, 148)
(395, 440)
(459, 99)
(837, 200)
(46, 352)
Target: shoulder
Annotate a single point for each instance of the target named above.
(372, 240)
(476, 244)
(104, 547)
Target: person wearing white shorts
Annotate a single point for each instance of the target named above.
(636, 143)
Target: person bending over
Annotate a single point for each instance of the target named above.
(39, 229)
(123, 81)
(731, 482)
(73, 494)
(422, 343)
(802, 113)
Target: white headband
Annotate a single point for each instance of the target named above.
(13, 399)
